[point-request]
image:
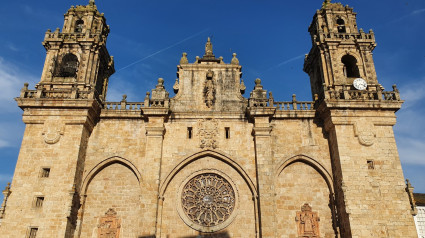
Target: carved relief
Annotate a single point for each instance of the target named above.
(209, 90)
(208, 133)
(109, 226)
(365, 132)
(53, 130)
(307, 222)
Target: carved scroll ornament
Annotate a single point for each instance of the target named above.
(53, 130)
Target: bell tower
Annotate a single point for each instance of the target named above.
(358, 118)
(77, 56)
(340, 52)
(59, 118)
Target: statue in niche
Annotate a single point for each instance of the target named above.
(307, 222)
(109, 226)
(209, 90)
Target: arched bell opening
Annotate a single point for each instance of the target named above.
(69, 66)
(350, 68)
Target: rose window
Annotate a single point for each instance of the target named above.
(208, 199)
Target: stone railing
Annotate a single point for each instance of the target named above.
(69, 36)
(58, 93)
(294, 105)
(124, 105)
(363, 94)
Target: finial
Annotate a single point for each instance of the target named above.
(326, 2)
(183, 59)
(91, 2)
(242, 87)
(257, 81)
(234, 59)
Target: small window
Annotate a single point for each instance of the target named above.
(227, 129)
(351, 70)
(189, 132)
(38, 201)
(33, 232)
(45, 172)
(370, 164)
(79, 26)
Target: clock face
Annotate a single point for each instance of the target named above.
(360, 84)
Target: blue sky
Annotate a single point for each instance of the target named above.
(270, 38)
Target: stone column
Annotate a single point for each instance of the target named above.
(154, 142)
(264, 165)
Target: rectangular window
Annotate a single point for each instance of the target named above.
(38, 201)
(227, 129)
(370, 164)
(189, 132)
(33, 232)
(45, 172)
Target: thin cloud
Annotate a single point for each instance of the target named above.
(162, 50)
(287, 61)
(5, 178)
(413, 13)
(12, 79)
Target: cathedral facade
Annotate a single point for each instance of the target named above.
(208, 162)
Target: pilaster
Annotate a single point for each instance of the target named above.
(265, 168)
(154, 144)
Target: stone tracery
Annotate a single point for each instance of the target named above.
(208, 199)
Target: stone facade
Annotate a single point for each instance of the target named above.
(208, 162)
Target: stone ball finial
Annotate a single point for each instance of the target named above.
(257, 81)
(161, 81)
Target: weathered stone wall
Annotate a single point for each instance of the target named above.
(61, 158)
(371, 176)
(114, 187)
(297, 184)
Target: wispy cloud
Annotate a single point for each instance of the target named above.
(12, 47)
(12, 80)
(409, 130)
(5, 178)
(287, 61)
(162, 50)
(413, 93)
(413, 13)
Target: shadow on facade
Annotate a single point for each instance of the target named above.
(204, 235)
(210, 235)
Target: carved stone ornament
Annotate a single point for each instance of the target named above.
(53, 130)
(109, 226)
(208, 130)
(307, 222)
(208, 201)
(209, 90)
(365, 132)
